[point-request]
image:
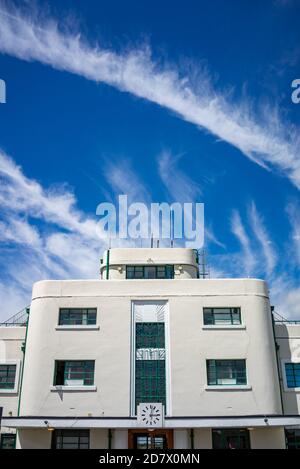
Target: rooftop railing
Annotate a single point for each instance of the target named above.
(278, 319)
(18, 319)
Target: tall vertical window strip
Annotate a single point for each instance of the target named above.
(226, 372)
(7, 376)
(219, 316)
(71, 439)
(74, 373)
(150, 366)
(292, 372)
(149, 271)
(77, 316)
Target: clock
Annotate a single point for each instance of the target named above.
(150, 414)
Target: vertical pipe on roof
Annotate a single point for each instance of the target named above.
(107, 265)
(23, 348)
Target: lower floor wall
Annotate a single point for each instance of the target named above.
(198, 438)
(260, 438)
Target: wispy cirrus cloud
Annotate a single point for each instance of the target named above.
(266, 245)
(293, 212)
(178, 185)
(248, 258)
(43, 234)
(57, 205)
(123, 179)
(261, 136)
(182, 188)
(255, 241)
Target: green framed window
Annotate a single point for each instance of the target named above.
(7, 376)
(149, 271)
(292, 373)
(8, 441)
(150, 334)
(150, 365)
(230, 438)
(292, 437)
(77, 316)
(150, 381)
(226, 372)
(221, 316)
(74, 372)
(70, 439)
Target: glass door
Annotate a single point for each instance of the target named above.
(150, 439)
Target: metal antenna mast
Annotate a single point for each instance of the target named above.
(203, 264)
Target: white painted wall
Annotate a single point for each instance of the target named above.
(267, 438)
(184, 261)
(288, 339)
(11, 339)
(190, 346)
(181, 439)
(29, 438)
(202, 438)
(98, 438)
(120, 439)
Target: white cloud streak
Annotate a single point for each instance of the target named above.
(262, 137)
(57, 205)
(43, 235)
(180, 187)
(248, 258)
(260, 231)
(293, 212)
(124, 180)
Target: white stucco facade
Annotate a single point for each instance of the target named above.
(193, 406)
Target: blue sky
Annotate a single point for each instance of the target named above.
(163, 101)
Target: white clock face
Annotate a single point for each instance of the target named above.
(150, 414)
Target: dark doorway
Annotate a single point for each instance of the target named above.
(230, 438)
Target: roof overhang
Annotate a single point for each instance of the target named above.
(169, 422)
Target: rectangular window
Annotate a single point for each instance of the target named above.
(149, 271)
(74, 373)
(292, 438)
(8, 441)
(226, 372)
(77, 316)
(231, 438)
(150, 366)
(7, 376)
(70, 439)
(292, 373)
(150, 381)
(222, 316)
(150, 335)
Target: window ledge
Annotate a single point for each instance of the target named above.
(84, 327)
(9, 391)
(224, 327)
(229, 387)
(73, 388)
(296, 390)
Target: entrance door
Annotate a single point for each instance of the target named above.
(150, 439)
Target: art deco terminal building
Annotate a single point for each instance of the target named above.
(150, 356)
